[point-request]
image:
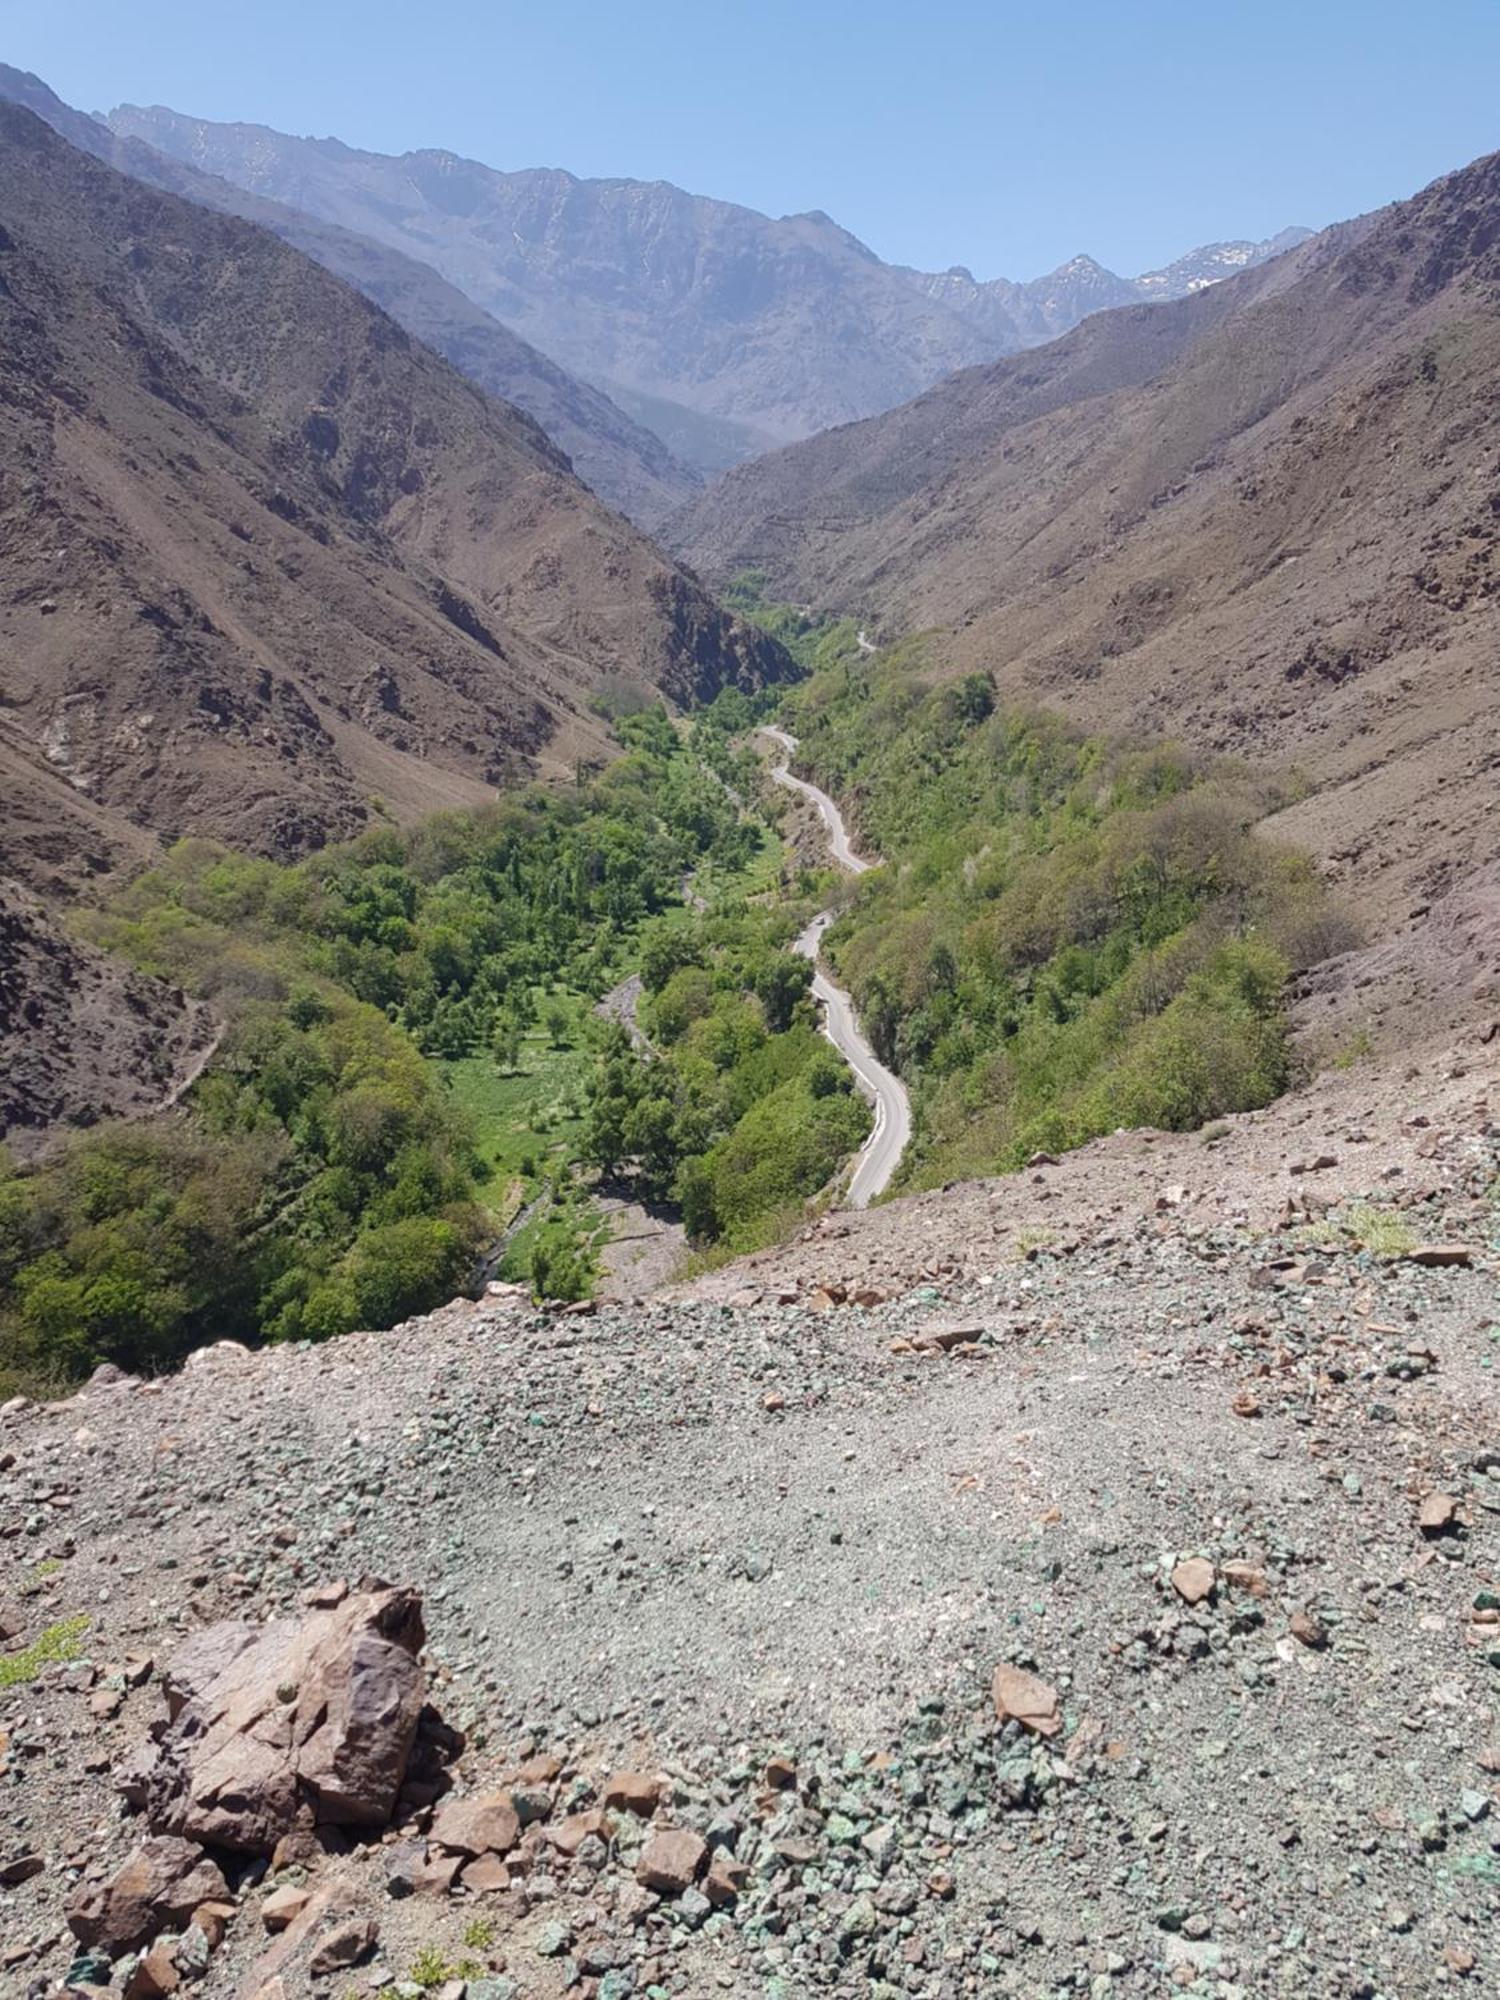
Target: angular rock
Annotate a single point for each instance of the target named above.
(347, 1945)
(155, 1976)
(725, 1879)
(283, 1906)
(569, 1834)
(1307, 1630)
(1247, 1576)
(486, 1875)
(1437, 1514)
(671, 1859)
(483, 1825)
(1024, 1698)
(639, 1792)
(266, 1721)
(949, 1333)
(162, 1883)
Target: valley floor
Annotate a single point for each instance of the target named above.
(696, 1533)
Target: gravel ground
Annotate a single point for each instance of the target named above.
(694, 1536)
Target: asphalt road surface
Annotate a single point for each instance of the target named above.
(881, 1153)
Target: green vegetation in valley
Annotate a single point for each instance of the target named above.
(817, 642)
(1069, 935)
(409, 1061)
(740, 1110)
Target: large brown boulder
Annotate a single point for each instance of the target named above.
(162, 1883)
(268, 1723)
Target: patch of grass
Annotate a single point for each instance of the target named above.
(761, 874)
(533, 1113)
(1382, 1231)
(429, 1969)
(1318, 1235)
(480, 1934)
(1030, 1241)
(1359, 1048)
(57, 1642)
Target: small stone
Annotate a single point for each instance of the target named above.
(1437, 1514)
(569, 1834)
(725, 1880)
(1247, 1577)
(1023, 1697)
(671, 1859)
(488, 1824)
(486, 1876)
(1193, 1580)
(283, 1906)
(634, 1791)
(1307, 1630)
(553, 1938)
(155, 1975)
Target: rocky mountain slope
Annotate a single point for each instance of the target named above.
(627, 465)
(1261, 517)
(270, 565)
(1028, 315)
(723, 329)
(1114, 1612)
(82, 1036)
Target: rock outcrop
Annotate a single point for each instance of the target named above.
(268, 1725)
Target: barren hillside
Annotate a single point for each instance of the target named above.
(627, 465)
(1111, 1613)
(271, 566)
(1261, 518)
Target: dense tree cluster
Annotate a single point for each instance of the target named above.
(739, 1110)
(1071, 936)
(323, 1178)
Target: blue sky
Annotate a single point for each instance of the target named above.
(1005, 137)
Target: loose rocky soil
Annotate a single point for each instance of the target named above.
(1210, 1467)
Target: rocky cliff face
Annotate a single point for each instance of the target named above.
(727, 330)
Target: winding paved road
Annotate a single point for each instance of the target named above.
(881, 1153)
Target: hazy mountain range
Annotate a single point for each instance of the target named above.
(626, 464)
(723, 330)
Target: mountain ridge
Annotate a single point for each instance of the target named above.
(706, 308)
(1257, 517)
(272, 567)
(624, 461)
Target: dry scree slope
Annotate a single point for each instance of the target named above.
(266, 559)
(1229, 1492)
(627, 466)
(1262, 518)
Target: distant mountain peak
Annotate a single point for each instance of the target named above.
(725, 330)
